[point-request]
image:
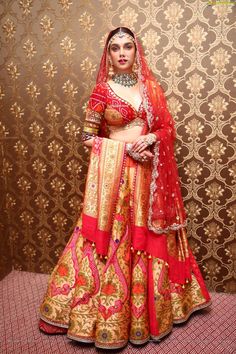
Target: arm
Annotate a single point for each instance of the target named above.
(163, 127)
(89, 142)
(94, 115)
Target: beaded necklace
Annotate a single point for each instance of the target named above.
(127, 79)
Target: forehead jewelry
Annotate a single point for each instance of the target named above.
(120, 34)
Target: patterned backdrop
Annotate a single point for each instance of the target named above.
(50, 51)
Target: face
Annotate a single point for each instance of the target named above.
(122, 54)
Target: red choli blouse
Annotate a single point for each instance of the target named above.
(108, 112)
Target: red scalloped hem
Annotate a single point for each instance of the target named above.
(51, 329)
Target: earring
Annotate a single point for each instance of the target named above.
(111, 69)
(135, 67)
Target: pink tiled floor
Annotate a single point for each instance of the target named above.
(209, 331)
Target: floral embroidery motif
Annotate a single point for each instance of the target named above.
(125, 296)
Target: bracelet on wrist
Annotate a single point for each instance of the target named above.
(151, 139)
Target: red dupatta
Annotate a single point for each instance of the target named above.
(166, 210)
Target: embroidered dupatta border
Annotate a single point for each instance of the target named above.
(153, 189)
(97, 216)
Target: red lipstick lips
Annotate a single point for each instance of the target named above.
(122, 61)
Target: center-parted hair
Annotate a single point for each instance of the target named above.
(116, 30)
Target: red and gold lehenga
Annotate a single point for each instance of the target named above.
(127, 272)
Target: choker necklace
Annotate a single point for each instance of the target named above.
(125, 79)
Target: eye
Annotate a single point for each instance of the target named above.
(128, 46)
(114, 48)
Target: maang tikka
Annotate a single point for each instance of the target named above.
(120, 34)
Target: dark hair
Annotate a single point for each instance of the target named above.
(116, 30)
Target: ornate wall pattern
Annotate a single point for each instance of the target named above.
(50, 52)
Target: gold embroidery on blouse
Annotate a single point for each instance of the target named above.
(112, 116)
(93, 116)
(91, 124)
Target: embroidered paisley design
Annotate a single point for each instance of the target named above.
(125, 295)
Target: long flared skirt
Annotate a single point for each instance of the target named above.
(124, 296)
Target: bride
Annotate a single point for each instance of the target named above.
(127, 272)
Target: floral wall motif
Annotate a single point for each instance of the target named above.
(50, 53)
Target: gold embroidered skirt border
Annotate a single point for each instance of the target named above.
(126, 296)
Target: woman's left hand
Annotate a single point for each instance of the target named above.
(139, 144)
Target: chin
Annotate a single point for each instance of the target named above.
(121, 68)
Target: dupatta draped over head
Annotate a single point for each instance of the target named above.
(166, 210)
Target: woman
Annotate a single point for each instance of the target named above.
(127, 272)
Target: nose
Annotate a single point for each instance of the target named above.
(121, 52)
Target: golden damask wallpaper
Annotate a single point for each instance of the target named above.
(50, 52)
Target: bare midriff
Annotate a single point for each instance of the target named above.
(127, 135)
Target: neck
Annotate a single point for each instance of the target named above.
(128, 71)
